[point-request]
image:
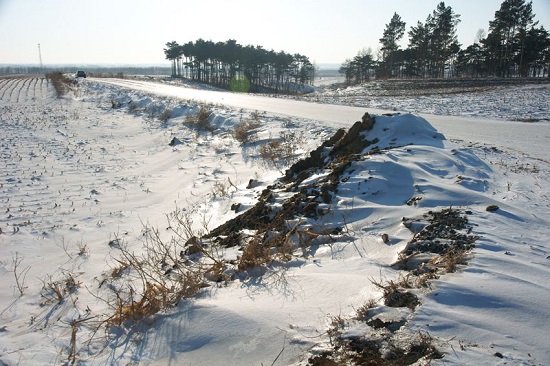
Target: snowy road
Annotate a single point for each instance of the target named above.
(530, 138)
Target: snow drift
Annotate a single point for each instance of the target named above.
(81, 173)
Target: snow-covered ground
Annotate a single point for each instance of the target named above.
(513, 102)
(82, 174)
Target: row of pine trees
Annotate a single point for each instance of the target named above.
(243, 68)
(515, 46)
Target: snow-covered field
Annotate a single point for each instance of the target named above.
(93, 171)
(514, 102)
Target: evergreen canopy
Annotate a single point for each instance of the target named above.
(233, 66)
(514, 46)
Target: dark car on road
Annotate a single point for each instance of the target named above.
(80, 74)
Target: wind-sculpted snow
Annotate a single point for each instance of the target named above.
(93, 172)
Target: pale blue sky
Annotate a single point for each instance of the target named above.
(135, 31)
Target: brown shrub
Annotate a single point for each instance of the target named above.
(200, 121)
(244, 131)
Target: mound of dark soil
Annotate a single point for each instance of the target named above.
(334, 155)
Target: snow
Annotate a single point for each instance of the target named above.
(456, 126)
(512, 102)
(96, 165)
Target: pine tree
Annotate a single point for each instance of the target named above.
(444, 44)
(171, 52)
(419, 46)
(507, 33)
(392, 34)
(537, 52)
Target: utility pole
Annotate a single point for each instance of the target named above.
(40, 58)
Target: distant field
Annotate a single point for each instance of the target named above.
(326, 77)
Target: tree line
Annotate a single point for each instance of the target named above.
(515, 46)
(241, 68)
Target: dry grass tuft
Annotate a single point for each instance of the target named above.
(154, 281)
(254, 253)
(58, 290)
(272, 152)
(273, 244)
(164, 273)
(394, 295)
(282, 152)
(244, 131)
(454, 257)
(19, 274)
(201, 120)
(154, 298)
(220, 189)
(165, 115)
(364, 311)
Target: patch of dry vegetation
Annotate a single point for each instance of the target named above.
(245, 130)
(60, 82)
(165, 115)
(386, 344)
(395, 296)
(157, 279)
(57, 290)
(105, 75)
(201, 120)
(283, 151)
(19, 273)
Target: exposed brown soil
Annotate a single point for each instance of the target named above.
(334, 155)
